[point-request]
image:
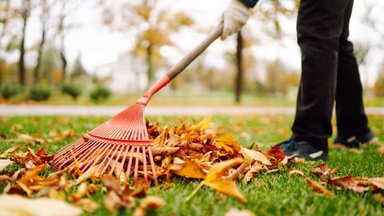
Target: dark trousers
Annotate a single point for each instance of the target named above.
(329, 73)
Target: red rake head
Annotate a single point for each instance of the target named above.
(120, 146)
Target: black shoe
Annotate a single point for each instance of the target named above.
(302, 149)
(356, 141)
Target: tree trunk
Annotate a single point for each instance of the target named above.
(150, 74)
(39, 55)
(21, 64)
(239, 69)
(63, 65)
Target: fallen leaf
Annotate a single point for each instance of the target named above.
(190, 169)
(357, 184)
(323, 170)
(253, 155)
(296, 172)
(10, 151)
(87, 205)
(215, 179)
(255, 168)
(237, 212)
(4, 163)
(378, 182)
(203, 124)
(229, 143)
(318, 188)
(149, 203)
(17, 205)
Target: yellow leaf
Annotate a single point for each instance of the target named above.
(255, 155)
(190, 169)
(229, 143)
(203, 124)
(215, 179)
(17, 205)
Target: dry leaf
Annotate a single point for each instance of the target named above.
(255, 168)
(4, 163)
(215, 179)
(357, 184)
(253, 155)
(378, 182)
(149, 203)
(296, 172)
(10, 151)
(237, 212)
(318, 188)
(190, 169)
(203, 124)
(323, 170)
(229, 143)
(14, 205)
(87, 205)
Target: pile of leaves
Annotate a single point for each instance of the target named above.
(191, 151)
(200, 151)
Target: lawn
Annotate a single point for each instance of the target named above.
(267, 194)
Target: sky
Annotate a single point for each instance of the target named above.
(97, 45)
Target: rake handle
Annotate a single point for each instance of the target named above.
(182, 64)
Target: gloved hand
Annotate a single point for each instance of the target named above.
(234, 17)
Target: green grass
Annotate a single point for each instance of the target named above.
(182, 98)
(273, 194)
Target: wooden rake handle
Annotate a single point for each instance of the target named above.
(181, 65)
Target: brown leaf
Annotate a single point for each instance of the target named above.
(10, 151)
(253, 155)
(255, 168)
(318, 188)
(296, 172)
(378, 182)
(357, 184)
(149, 203)
(275, 153)
(323, 170)
(87, 205)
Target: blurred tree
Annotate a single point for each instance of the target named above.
(45, 7)
(64, 25)
(239, 68)
(78, 69)
(151, 24)
(25, 11)
(5, 14)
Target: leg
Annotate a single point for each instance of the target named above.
(319, 26)
(350, 115)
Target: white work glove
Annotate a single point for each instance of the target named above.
(234, 17)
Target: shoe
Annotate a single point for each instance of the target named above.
(356, 141)
(302, 149)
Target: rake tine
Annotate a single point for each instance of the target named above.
(93, 146)
(121, 148)
(104, 148)
(145, 167)
(135, 175)
(152, 164)
(128, 172)
(69, 155)
(110, 158)
(110, 150)
(123, 161)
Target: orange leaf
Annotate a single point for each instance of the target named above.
(318, 188)
(229, 143)
(215, 179)
(357, 184)
(190, 169)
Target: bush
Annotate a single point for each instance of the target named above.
(39, 93)
(72, 90)
(100, 93)
(9, 91)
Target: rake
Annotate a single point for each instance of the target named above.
(121, 145)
